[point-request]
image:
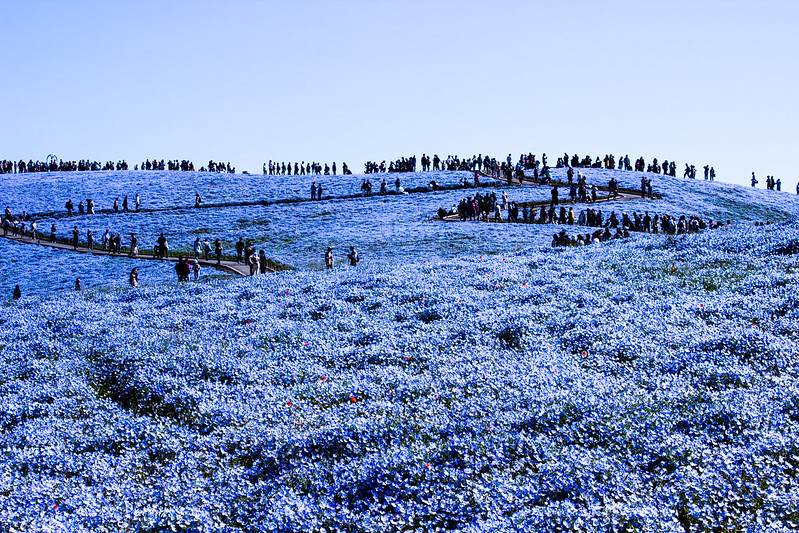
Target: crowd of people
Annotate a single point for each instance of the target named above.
(84, 165)
(88, 208)
(615, 227)
(301, 169)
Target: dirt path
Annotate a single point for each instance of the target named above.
(231, 267)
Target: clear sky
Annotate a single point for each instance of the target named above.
(243, 81)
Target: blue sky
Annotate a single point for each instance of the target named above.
(701, 81)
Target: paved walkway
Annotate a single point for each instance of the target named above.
(230, 267)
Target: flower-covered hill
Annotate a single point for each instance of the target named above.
(648, 384)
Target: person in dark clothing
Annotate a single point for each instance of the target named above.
(239, 249)
(75, 237)
(52, 233)
(352, 257)
(262, 261)
(218, 250)
(554, 193)
(182, 269)
(70, 206)
(17, 293)
(77, 284)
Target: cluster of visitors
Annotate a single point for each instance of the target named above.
(403, 164)
(772, 184)
(87, 208)
(84, 165)
(184, 165)
(616, 229)
(203, 249)
(563, 239)
(183, 268)
(303, 168)
(352, 257)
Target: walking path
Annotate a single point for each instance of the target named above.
(230, 267)
(54, 215)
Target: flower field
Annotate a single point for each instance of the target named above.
(467, 376)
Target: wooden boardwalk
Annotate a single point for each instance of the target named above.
(230, 267)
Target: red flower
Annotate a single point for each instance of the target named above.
(427, 465)
(353, 399)
(323, 378)
(289, 403)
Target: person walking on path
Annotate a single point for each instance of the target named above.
(218, 250)
(239, 249)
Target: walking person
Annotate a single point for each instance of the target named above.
(218, 250)
(195, 267)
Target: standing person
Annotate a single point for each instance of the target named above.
(329, 254)
(206, 248)
(262, 261)
(313, 190)
(77, 284)
(134, 277)
(198, 200)
(239, 249)
(116, 205)
(179, 266)
(90, 206)
(106, 239)
(253, 264)
(554, 194)
(17, 293)
(137, 202)
(195, 267)
(35, 230)
(52, 233)
(70, 206)
(89, 239)
(197, 248)
(125, 203)
(218, 250)
(352, 257)
(319, 190)
(75, 236)
(134, 245)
